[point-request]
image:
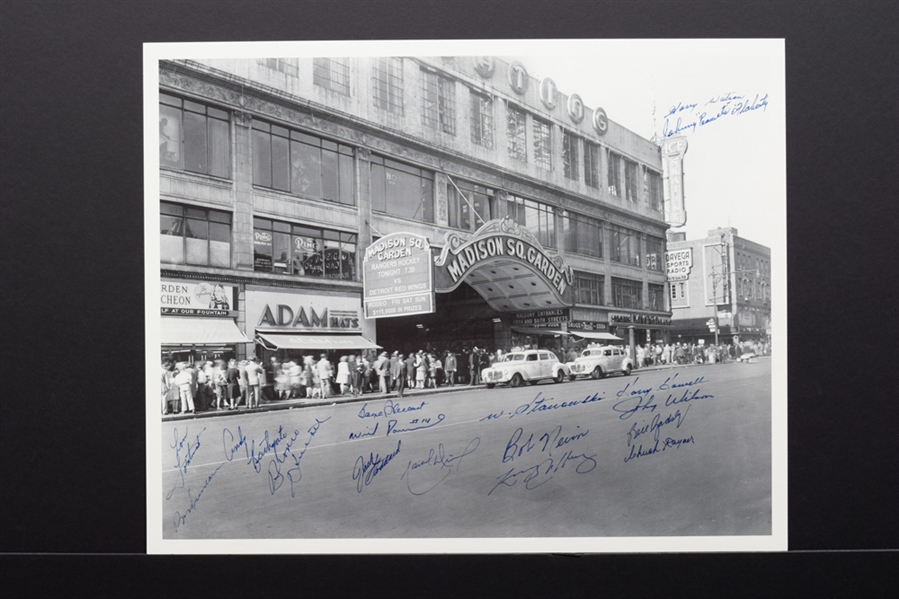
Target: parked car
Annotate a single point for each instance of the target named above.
(599, 360)
(528, 366)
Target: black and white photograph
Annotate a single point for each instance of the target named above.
(466, 296)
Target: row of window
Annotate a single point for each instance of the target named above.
(589, 289)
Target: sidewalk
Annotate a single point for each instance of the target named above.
(289, 404)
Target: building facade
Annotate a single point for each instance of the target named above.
(276, 175)
(722, 281)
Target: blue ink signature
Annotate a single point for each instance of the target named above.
(361, 434)
(364, 471)
(655, 426)
(672, 400)
(294, 475)
(423, 423)
(440, 460)
(540, 405)
(553, 439)
(179, 518)
(543, 472)
(182, 464)
(665, 386)
(639, 452)
(626, 409)
(390, 408)
(230, 450)
(729, 104)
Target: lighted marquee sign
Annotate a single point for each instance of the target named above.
(637, 319)
(184, 298)
(674, 149)
(541, 318)
(397, 276)
(678, 264)
(500, 239)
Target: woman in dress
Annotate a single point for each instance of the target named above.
(421, 371)
(343, 374)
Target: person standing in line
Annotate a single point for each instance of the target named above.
(254, 388)
(232, 377)
(436, 370)
(221, 383)
(483, 362)
(410, 371)
(243, 382)
(184, 382)
(391, 382)
(641, 356)
(421, 369)
(450, 368)
(384, 373)
(282, 380)
(202, 399)
(324, 375)
(167, 385)
(343, 374)
(398, 374)
(473, 363)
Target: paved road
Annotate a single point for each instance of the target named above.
(665, 452)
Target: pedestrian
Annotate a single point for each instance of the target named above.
(450, 368)
(244, 382)
(343, 374)
(232, 377)
(410, 371)
(473, 363)
(421, 370)
(433, 365)
(358, 375)
(391, 382)
(254, 387)
(282, 380)
(398, 374)
(641, 356)
(184, 382)
(324, 371)
(169, 389)
(483, 363)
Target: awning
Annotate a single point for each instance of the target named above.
(599, 336)
(291, 341)
(185, 330)
(539, 331)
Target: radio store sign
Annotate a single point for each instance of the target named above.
(184, 298)
(678, 264)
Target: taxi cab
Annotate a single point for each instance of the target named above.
(597, 361)
(527, 366)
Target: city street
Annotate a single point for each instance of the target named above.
(668, 452)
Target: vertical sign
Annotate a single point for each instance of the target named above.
(674, 149)
(398, 276)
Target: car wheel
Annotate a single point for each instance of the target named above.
(597, 373)
(627, 370)
(491, 385)
(560, 376)
(516, 380)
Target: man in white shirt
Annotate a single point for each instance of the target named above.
(254, 388)
(324, 374)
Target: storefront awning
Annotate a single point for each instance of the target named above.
(539, 331)
(185, 330)
(290, 341)
(598, 336)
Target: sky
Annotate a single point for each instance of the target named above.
(734, 168)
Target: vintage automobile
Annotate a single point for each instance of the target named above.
(599, 360)
(527, 366)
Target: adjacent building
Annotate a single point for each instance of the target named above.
(722, 281)
(277, 174)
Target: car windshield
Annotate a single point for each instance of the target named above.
(513, 357)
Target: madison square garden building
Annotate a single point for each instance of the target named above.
(543, 217)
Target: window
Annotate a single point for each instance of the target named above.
(627, 294)
(588, 288)
(679, 294)
(387, 79)
(569, 156)
(286, 248)
(194, 235)
(543, 147)
(194, 137)
(517, 134)
(438, 96)
(591, 164)
(625, 246)
(654, 189)
(472, 210)
(654, 248)
(332, 74)
(535, 217)
(656, 297)
(583, 234)
(402, 190)
(303, 164)
(288, 66)
(481, 120)
(630, 173)
(614, 174)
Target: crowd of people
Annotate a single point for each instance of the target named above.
(232, 384)
(229, 385)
